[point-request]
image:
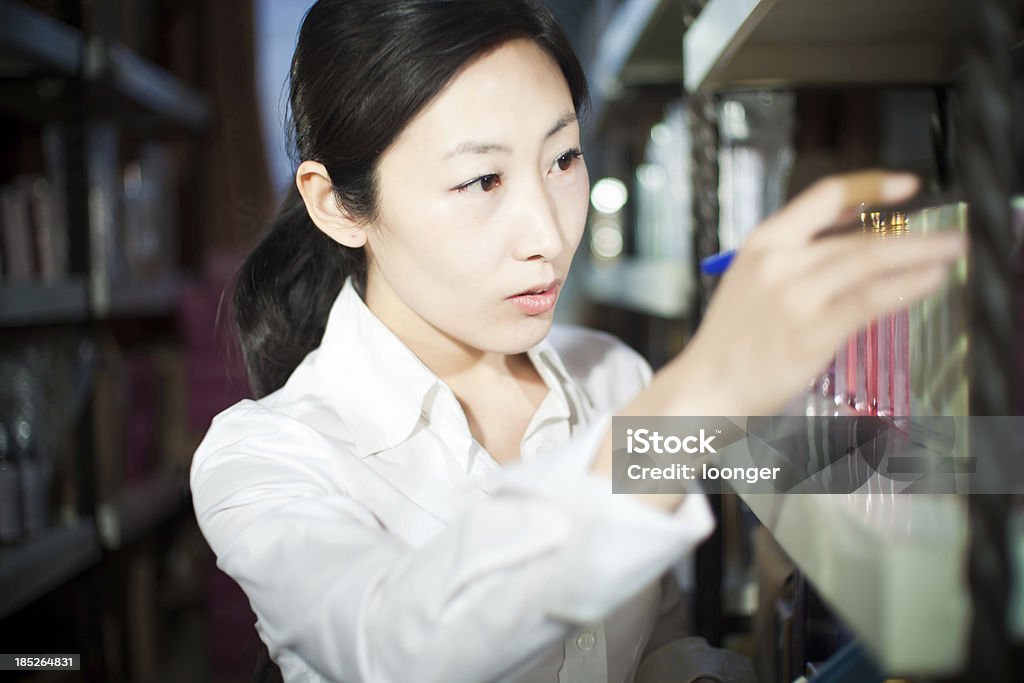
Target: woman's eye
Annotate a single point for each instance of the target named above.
(484, 183)
(564, 162)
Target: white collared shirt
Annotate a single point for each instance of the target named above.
(378, 542)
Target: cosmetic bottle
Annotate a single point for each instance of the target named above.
(840, 390)
(900, 368)
(885, 333)
(857, 351)
(872, 333)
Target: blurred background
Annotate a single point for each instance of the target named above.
(142, 152)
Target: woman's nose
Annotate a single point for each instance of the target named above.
(538, 232)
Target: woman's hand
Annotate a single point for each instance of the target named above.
(792, 295)
(789, 298)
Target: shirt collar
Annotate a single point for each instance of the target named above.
(379, 386)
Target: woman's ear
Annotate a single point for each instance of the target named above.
(314, 185)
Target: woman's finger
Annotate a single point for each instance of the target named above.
(852, 312)
(824, 268)
(841, 265)
(831, 201)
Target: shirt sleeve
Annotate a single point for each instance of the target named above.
(488, 594)
(619, 543)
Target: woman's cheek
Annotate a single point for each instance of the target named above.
(440, 228)
(576, 208)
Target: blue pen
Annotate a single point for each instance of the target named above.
(716, 265)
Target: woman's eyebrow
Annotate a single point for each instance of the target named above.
(471, 147)
(563, 121)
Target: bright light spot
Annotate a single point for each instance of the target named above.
(651, 176)
(660, 134)
(606, 242)
(608, 195)
(734, 121)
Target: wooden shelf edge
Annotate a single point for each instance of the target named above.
(140, 507)
(116, 72)
(618, 41)
(39, 38)
(145, 84)
(42, 303)
(31, 569)
(67, 301)
(156, 297)
(621, 58)
(806, 43)
(716, 34)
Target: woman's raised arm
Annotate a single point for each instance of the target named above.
(789, 298)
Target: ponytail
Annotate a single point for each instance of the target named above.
(284, 291)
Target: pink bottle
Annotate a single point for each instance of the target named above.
(901, 348)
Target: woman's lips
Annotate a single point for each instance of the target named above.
(534, 304)
(539, 288)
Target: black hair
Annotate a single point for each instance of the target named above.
(362, 70)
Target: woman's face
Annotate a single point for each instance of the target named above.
(483, 196)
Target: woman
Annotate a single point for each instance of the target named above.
(422, 491)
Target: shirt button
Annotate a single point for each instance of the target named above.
(586, 641)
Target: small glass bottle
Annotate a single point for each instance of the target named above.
(901, 346)
(857, 349)
(840, 385)
(885, 335)
(873, 331)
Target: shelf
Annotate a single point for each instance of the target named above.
(149, 298)
(735, 44)
(790, 43)
(880, 560)
(639, 46)
(140, 508)
(122, 85)
(658, 288)
(31, 569)
(36, 303)
(32, 42)
(129, 86)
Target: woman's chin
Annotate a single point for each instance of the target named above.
(529, 331)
